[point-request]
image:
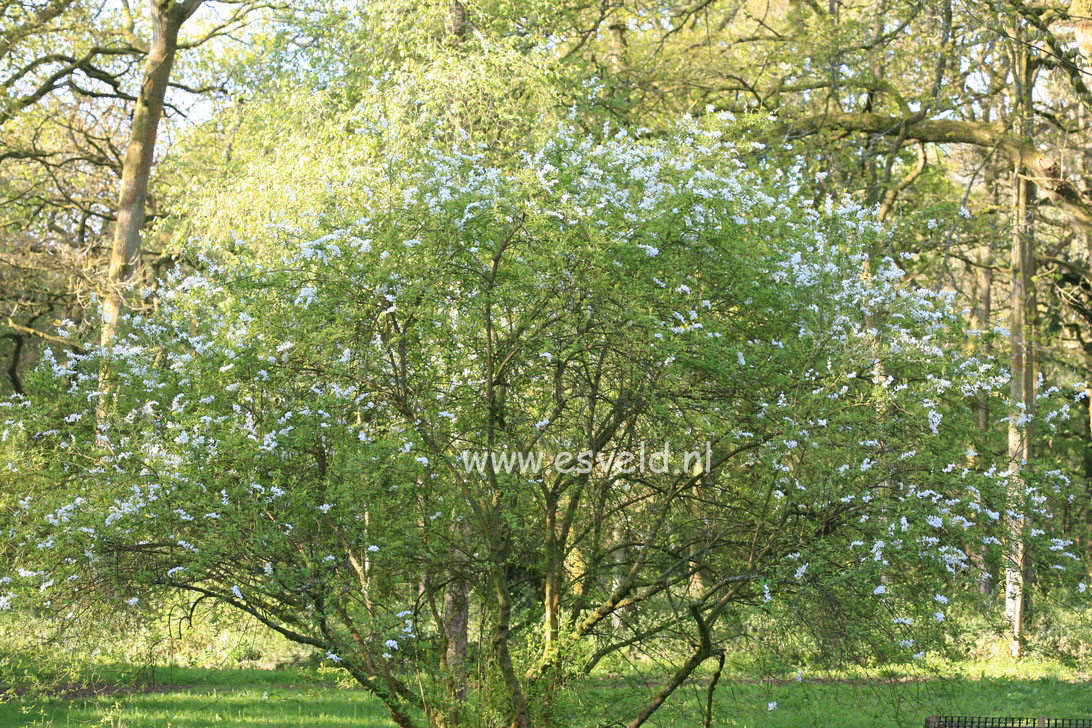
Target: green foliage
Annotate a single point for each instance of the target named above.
(411, 235)
(292, 432)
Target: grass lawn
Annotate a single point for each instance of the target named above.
(197, 698)
(192, 698)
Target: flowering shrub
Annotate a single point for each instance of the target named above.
(284, 434)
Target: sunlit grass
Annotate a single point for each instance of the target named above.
(198, 698)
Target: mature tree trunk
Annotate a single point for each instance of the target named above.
(167, 19)
(457, 614)
(554, 578)
(1022, 398)
(520, 717)
(617, 52)
(1021, 331)
(456, 629)
(702, 536)
(983, 315)
(459, 23)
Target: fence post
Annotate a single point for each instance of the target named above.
(932, 722)
(1041, 722)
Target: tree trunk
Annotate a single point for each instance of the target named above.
(459, 22)
(983, 315)
(520, 717)
(457, 615)
(456, 627)
(1022, 400)
(167, 19)
(1022, 393)
(552, 598)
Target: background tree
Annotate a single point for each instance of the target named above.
(85, 91)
